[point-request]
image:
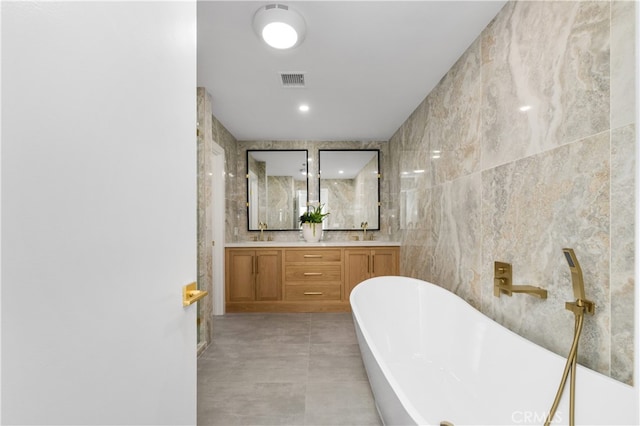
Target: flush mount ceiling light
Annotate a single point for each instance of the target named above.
(279, 26)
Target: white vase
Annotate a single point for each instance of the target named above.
(311, 232)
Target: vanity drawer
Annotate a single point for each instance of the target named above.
(313, 273)
(313, 256)
(311, 292)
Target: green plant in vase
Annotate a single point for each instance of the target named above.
(311, 217)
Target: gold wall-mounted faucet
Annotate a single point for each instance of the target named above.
(503, 283)
(262, 226)
(364, 226)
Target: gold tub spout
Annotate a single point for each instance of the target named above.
(508, 290)
(502, 283)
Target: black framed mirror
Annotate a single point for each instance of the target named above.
(349, 182)
(277, 189)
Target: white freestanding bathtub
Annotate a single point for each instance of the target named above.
(432, 358)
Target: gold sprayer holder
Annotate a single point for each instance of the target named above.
(581, 306)
(503, 283)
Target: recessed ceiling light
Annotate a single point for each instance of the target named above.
(304, 108)
(525, 108)
(341, 171)
(418, 171)
(279, 26)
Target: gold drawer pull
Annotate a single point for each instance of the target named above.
(313, 293)
(312, 256)
(312, 274)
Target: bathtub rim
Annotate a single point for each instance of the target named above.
(411, 410)
(402, 396)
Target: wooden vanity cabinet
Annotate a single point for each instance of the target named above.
(365, 263)
(253, 275)
(301, 279)
(313, 275)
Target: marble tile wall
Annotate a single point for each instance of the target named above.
(210, 130)
(527, 146)
(226, 140)
(205, 213)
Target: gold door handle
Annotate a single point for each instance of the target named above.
(312, 274)
(312, 256)
(191, 294)
(313, 293)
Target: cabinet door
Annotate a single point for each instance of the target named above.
(241, 276)
(357, 268)
(268, 275)
(384, 262)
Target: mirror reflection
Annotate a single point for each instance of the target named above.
(276, 189)
(349, 188)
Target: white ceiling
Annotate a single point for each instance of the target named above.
(367, 64)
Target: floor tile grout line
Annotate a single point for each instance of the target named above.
(287, 330)
(306, 390)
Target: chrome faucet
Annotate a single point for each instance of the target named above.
(262, 226)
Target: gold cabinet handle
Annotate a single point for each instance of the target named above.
(191, 294)
(312, 256)
(313, 293)
(312, 274)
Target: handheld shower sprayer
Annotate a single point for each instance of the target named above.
(579, 308)
(577, 282)
(576, 273)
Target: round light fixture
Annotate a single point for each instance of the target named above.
(279, 26)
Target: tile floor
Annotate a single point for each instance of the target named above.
(284, 369)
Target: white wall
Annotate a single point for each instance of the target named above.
(0, 216)
(98, 212)
(636, 379)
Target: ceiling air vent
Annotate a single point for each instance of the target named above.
(292, 79)
(276, 6)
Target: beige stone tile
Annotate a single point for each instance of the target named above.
(534, 207)
(623, 72)
(552, 57)
(623, 188)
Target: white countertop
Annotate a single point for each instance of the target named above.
(319, 244)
